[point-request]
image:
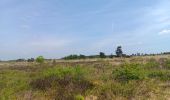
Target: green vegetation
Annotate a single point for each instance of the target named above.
(11, 83)
(76, 73)
(167, 63)
(129, 72)
(62, 78)
(102, 55)
(100, 80)
(119, 51)
(71, 57)
(160, 74)
(79, 97)
(40, 59)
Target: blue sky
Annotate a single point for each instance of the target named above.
(56, 28)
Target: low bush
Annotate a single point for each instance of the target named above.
(152, 65)
(79, 97)
(139, 72)
(129, 72)
(76, 73)
(40, 59)
(68, 81)
(163, 75)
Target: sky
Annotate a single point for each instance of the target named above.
(56, 28)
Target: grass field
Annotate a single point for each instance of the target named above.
(135, 78)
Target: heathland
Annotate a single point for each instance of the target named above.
(134, 78)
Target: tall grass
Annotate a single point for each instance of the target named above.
(12, 82)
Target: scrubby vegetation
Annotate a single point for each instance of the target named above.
(128, 72)
(40, 59)
(103, 79)
(67, 81)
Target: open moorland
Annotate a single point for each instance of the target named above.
(134, 78)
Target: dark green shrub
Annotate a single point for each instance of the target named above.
(102, 55)
(129, 72)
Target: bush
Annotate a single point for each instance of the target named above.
(129, 72)
(76, 73)
(40, 59)
(159, 74)
(102, 55)
(68, 81)
(152, 65)
(79, 97)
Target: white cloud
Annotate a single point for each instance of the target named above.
(164, 32)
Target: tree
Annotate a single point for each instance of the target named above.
(20, 60)
(71, 57)
(40, 59)
(119, 51)
(82, 56)
(31, 60)
(102, 55)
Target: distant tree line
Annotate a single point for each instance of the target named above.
(152, 54)
(101, 55)
(39, 59)
(25, 60)
(118, 52)
(166, 53)
(75, 57)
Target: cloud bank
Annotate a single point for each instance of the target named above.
(164, 32)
